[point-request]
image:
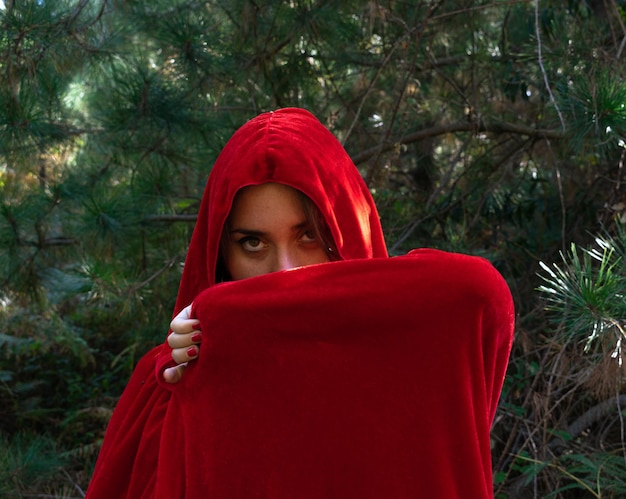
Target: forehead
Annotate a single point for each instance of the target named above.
(266, 203)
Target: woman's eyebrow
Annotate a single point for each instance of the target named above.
(247, 232)
(300, 226)
(254, 232)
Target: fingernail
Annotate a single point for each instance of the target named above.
(196, 326)
(192, 352)
(196, 338)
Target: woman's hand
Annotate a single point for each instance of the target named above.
(185, 342)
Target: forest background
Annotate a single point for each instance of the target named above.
(494, 128)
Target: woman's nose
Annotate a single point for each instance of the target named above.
(285, 259)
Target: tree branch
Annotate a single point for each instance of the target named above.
(462, 126)
(590, 417)
(173, 217)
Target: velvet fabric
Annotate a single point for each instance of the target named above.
(366, 377)
(288, 146)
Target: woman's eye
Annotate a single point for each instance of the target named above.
(308, 236)
(251, 244)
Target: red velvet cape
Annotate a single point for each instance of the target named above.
(366, 378)
(200, 436)
(288, 146)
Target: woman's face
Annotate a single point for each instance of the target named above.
(268, 231)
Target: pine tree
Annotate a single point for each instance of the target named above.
(487, 128)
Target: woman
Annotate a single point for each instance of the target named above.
(302, 154)
(271, 227)
(353, 375)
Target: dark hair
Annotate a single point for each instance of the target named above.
(314, 219)
(318, 224)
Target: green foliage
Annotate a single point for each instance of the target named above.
(27, 462)
(588, 300)
(598, 108)
(576, 399)
(488, 128)
(599, 474)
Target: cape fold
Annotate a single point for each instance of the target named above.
(364, 378)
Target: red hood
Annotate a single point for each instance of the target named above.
(289, 146)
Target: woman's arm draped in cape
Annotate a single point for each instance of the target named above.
(127, 462)
(364, 378)
(288, 146)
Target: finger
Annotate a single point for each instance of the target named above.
(184, 326)
(174, 374)
(175, 340)
(181, 355)
(185, 313)
(183, 323)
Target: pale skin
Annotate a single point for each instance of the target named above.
(267, 232)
